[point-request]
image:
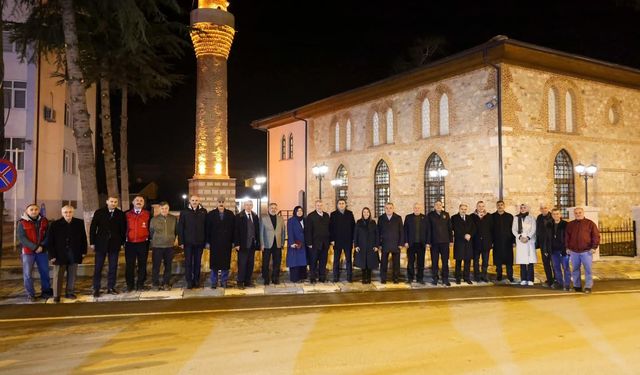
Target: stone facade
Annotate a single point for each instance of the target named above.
(209, 190)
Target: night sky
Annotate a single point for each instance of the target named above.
(289, 53)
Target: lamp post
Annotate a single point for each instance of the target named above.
(586, 173)
(260, 180)
(319, 171)
(184, 200)
(439, 174)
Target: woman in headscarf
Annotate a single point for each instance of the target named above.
(524, 229)
(365, 242)
(296, 251)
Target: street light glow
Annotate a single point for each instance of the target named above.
(261, 180)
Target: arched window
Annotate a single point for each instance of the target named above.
(381, 187)
(568, 103)
(337, 136)
(426, 119)
(444, 114)
(347, 138)
(551, 109)
(341, 190)
(290, 145)
(434, 176)
(563, 182)
(283, 148)
(389, 125)
(376, 129)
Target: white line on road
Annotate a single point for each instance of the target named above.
(301, 307)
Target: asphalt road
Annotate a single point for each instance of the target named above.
(501, 329)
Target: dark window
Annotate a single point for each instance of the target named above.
(290, 146)
(433, 182)
(563, 182)
(283, 148)
(381, 187)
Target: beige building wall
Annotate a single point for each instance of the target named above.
(286, 175)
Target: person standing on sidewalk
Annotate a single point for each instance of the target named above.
(318, 238)
(482, 241)
(582, 240)
(247, 234)
(464, 232)
(524, 229)
(136, 249)
(32, 233)
(163, 233)
(67, 247)
(220, 229)
(503, 241)
(559, 256)
(272, 236)
(441, 235)
(544, 224)
(391, 232)
(107, 235)
(341, 226)
(191, 237)
(416, 237)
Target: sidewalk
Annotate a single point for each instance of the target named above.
(12, 291)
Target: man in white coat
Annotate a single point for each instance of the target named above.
(524, 229)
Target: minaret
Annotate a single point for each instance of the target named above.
(212, 36)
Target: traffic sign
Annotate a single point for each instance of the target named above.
(8, 175)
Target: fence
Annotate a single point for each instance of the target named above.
(619, 240)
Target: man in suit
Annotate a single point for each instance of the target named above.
(220, 229)
(544, 228)
(503, 241)
(191, 237)
(441, 237)
(482, 241)
(272, 235)
(416, 237)
(317, 237)
(463, 231)
(341, 226)
(247, 240)
(107, 236)
(391, 235)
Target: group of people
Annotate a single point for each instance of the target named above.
(366, 243)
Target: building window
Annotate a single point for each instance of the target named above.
(14, 148)
(444, 114)
(341, 190)
(15, 94)
(433, 182)
(551, 109)
(337, 137)
(68, 162)
(389, 125)
(283, 148)
(568, 103)
(348, 136)
(68, 118)
(426, 119)
(376, 129)
(7, 46)
(563, 182)
(381, 187)
(290, 145)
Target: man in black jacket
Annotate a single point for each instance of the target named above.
(106, 236)
(464, 229)
(416, 237)
(317, 236)
(441, 237)
(391, 234)
(503, 241)
(482, 241)
(341, 226)
(247, 241)
(67, 247)
(544, 225)
(220, 230)
(191, 237)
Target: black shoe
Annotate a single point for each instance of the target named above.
(578, 290)
(468, 282)
(112, 291)
(457, 281)
(96, 293)
(587, 290)
(56, 299)
(266, 283)
(214, 286)
(395, 281)
(250, 285)
(312, 281)
(499, 278)
(446, 283)
(511, 280)
(336, 280)
(421, 282)
(349, 279)
(275, 282)
(168, 287)
(434, 282)
(70, 296)
(383, 281)
(240, 285)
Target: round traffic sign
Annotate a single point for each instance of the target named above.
(8, 175)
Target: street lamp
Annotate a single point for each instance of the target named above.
(184, 200)
(259, 181)
(586, 173)
(319, 171)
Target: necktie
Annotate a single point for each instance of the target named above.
(250, 218)
(463, 218)
(111, 213)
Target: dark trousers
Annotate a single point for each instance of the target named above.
(416, 252)
(440, 250)
(318, 261)
(245, 265)
(297, 273)
(268, 255)
(192, 264)
(384, 265)
(548, 270)
(136, 254)
(463, 273)
(526, 272)
(509, 267)
(159, 256)
(338, 249)
(58, 277)
(112, 273)
(480, 253)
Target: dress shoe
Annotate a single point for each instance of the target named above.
(112, 291)
(96, 293)
(383, 281)
(214, 286)
(587, 290)
(312, 281)
(469, 282)
(275, 282)
(56, 299)
(70, 296)
(447, 283)
(511, 280)
(434, 282)
(457, 281)
(578, 289)
(241, 285)
(168, 287)
(395, 281)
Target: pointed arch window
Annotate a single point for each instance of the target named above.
(426, 118)
(569, 115)
(337, 137)
(341, 190)
(376, 128)
(381, 187)
(390, 125)
(434, 181)
(444, 114)
(283, 148)
(290, 145)
(563, 182)
(347, 138)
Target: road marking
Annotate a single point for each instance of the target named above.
(302, 307)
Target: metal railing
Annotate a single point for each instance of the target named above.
(618, 240)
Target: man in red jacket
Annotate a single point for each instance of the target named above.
(582, 240)
(136, 249)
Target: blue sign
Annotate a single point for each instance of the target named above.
(8, 175)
